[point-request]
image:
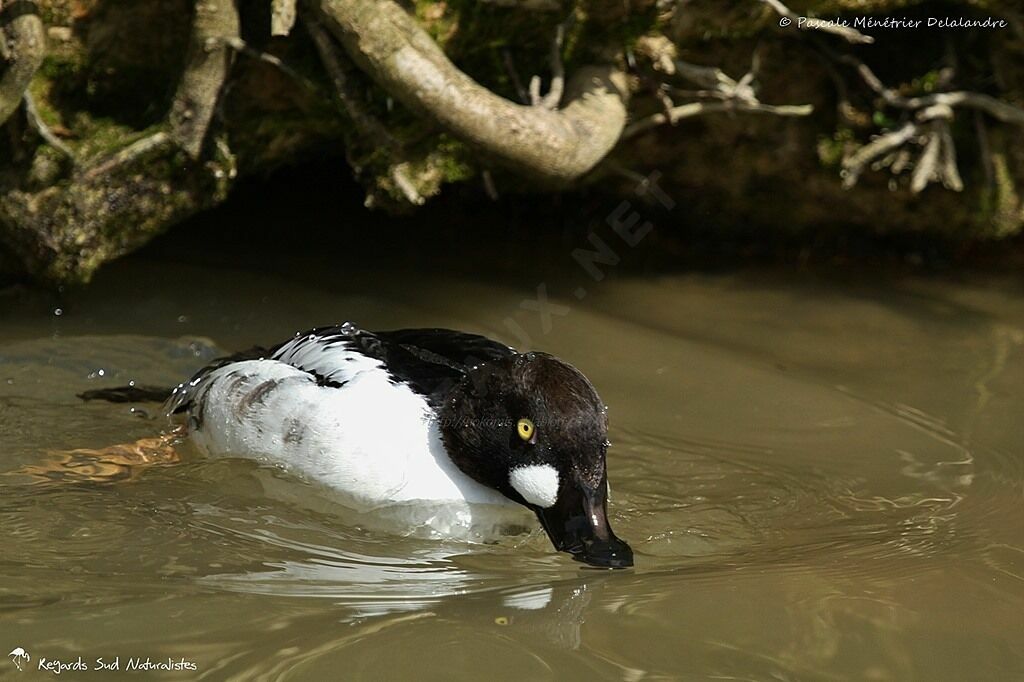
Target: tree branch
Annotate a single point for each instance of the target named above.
(282, 17)
(855, 164)
(556, 146)
(850, 35)
(214, 27)
(678, 113)
(370, 129)
(22, 46)
(933, 116)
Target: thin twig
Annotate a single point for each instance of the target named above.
(37, 123)
(933, 115)
(927, 165)
(513, 74)
(554, 96)
(489, 187)
(948, 170)
(850, 35)
(400, 176)
(366, 123)
(242, 47)
(855, 164)
(692, 109)
(1007, 113)
(156, 142)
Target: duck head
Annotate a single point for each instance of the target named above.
(533, 428)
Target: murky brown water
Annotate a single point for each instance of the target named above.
(821, 482)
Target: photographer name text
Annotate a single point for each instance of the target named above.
(131, 664)
(900, 22)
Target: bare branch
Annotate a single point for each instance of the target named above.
(243, 48)
(692, 109)
(556, 146)
(927, 165)
(282, 17)
(535, 96)
(157, 143)
(1007, 113)
(554, 96)
(850, 35)
(400, 176)
(370, 129)
(513, 74)
(948, 171)
(728, 94)
(22, 46)
(214, 26)
(705, 76)
(855, 164)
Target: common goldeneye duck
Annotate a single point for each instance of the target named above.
(418, 416)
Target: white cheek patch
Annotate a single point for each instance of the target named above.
(537, 483)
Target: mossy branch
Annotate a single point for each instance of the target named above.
(22, 47)
(214, 27)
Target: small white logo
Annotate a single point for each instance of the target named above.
(19, 655)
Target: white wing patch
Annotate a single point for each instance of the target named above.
(537, 483)
(329, 357)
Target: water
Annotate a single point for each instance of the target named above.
(821, 481)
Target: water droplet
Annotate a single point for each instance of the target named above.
(182, 318)
(57, 312)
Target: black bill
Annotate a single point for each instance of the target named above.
(578, 524)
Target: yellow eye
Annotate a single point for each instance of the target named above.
(526, 429)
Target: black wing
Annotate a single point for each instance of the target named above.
(430, 361)
(455, 348)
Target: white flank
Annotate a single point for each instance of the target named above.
(371, 440)
(537, 483)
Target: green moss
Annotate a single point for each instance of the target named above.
(438, 18)
(832, 150)
(882, 120)
(454, 160)
(62, 65)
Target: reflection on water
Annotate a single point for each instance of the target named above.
(819, 483)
